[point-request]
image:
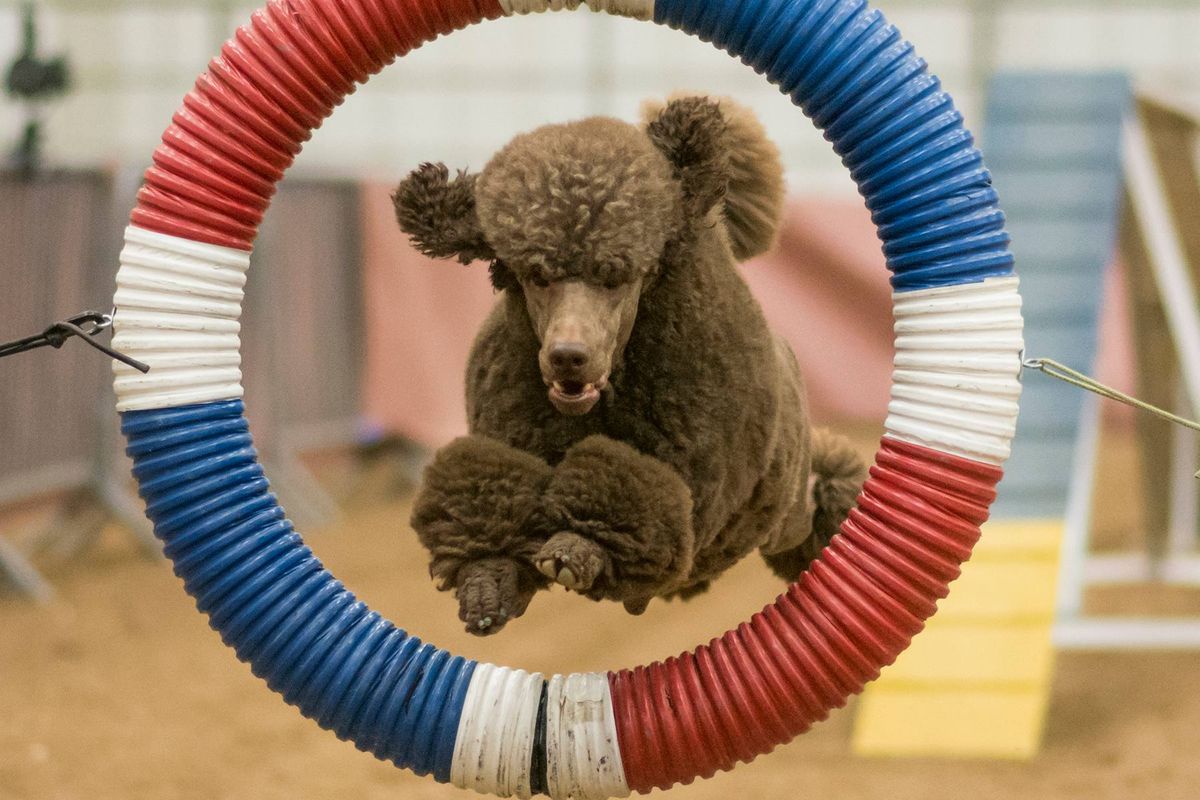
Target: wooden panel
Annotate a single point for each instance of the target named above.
(1172, 137)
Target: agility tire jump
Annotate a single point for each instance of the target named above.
(500, 730)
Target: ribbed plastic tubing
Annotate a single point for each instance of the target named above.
(355, 673)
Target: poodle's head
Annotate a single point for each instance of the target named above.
(578, 218)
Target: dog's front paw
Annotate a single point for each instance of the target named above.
(491, 592)
(572, 560)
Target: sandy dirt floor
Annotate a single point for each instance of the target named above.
(118, 689)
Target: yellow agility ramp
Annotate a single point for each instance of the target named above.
(976, 682)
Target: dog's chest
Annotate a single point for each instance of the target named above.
(620, 418)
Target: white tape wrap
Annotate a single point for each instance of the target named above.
(494, 748)
(582, 757)
(958, 358)
(637, 9)
(178, 304)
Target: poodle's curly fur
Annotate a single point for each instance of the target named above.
(699, 450)
(598, 200)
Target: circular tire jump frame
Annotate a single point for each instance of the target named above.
(504, 731)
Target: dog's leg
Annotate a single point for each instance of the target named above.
(837, 475)
(478, 514)
(624, 523)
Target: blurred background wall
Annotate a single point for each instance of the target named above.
(459, 98)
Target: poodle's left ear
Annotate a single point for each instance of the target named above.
(438, 214)
(690, 132)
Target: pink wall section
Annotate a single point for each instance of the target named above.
(421, 316)
(824, 288)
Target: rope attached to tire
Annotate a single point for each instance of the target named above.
(495, 729)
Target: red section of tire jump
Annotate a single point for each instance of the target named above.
(246, 118)
(850, 614)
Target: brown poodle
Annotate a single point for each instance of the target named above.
(636, 429)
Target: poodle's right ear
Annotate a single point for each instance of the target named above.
(438, 214)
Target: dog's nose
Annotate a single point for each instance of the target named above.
(568, 356)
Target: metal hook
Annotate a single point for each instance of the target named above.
(57, 334)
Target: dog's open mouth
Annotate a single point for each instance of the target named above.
(575, 397)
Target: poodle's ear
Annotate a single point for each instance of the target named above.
(690, 132)
(754, 188)
(438, 214)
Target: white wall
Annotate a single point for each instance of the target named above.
(460, 98)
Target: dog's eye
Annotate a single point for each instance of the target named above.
(539, 281)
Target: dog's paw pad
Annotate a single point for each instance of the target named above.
(488, 596)
(571, 560)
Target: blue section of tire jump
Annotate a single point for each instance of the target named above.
(271, 600)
